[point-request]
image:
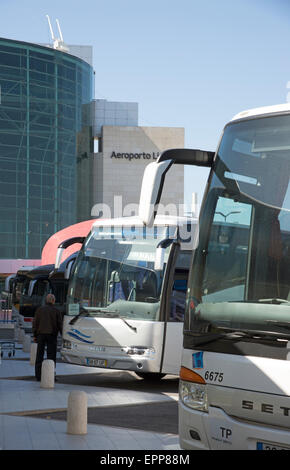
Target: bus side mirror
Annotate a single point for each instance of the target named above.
(159, 259)
(183, 156)
(160, 253)
(58, 257)
(30, 288)
(68, 269)
(154, 175)
(151, 189)
(62, 246)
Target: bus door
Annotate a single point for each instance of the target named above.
(174, 306)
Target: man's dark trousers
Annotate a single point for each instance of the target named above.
(50, 342)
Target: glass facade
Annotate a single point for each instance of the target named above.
(45, 137)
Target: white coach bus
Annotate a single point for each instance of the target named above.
(126, 296)
(235, 370)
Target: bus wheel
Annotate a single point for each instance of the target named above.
(150, 376)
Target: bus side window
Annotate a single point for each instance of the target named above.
(178, 295)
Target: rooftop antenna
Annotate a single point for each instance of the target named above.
(59, 30)
(58, 43)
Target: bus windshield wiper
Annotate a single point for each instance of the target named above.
(82, 313)
(234, 335)
(274, 300)
(128, 324)
(104, 310)
(109, 313)
(240, 335)
(282, 324)
(85, 312)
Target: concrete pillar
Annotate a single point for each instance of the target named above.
(77, 413)
(33, 351)
(26, 343)
(47, 374)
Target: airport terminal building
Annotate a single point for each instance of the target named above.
(62, 150)
(45, 124)
(125, 152)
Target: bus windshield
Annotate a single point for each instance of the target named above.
(240, 281)
(114, 274)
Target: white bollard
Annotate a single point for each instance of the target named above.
(33, 351)
(47, 374)
(26, 343)
(16, 333)
(77, 413)
(21, 336)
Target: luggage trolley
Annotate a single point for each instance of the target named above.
(7, 333)
(7, 346)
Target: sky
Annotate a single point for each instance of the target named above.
(188, 63)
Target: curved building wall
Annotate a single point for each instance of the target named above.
(45, 134)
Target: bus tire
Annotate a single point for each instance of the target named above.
(150, 376)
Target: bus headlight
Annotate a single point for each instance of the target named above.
(194, 395)
(138, 351)
(193, 390)
(66, 344)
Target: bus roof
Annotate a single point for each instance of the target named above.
(136, 221)
(264, 110)
(24, 270)
(50, 248)
(40, 271)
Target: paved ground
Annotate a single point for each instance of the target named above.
(160, 417)
(111, 404)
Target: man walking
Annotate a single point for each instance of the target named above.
(47, 323)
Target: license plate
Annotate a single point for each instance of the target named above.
(96, 362)
(269, 446)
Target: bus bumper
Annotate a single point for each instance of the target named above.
(119, 362)
(216, 430)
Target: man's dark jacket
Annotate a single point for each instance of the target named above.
(47, 320)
